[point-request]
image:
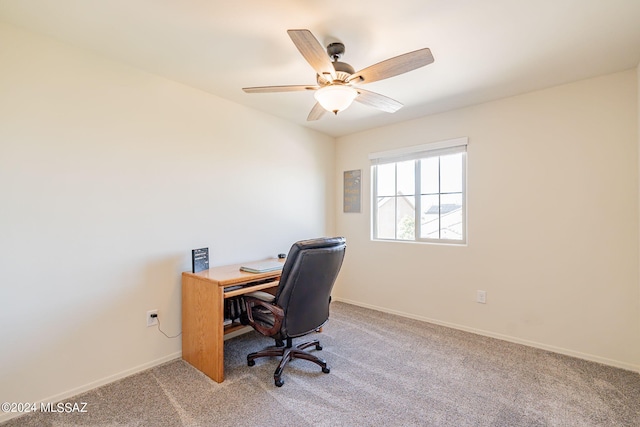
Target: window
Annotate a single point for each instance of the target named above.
(419, 193)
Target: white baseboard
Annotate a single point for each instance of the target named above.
(5, 416)
(554, 349)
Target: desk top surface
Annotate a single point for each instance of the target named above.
(228, 275)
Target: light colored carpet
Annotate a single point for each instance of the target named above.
(385, 371)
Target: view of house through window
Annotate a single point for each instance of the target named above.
(419, 193)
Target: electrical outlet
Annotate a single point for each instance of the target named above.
(152, 317)
(481, 297)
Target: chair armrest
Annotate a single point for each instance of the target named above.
(278, 315)
(264, 296)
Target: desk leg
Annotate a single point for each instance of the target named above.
(202, 326)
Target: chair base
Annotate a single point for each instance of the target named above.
(288, 353)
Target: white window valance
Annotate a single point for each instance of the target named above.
(439, 148)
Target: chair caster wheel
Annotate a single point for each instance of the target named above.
(326, 370)
(318, 347)
(278, 382)
(251, 362)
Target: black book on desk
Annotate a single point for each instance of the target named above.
(199, 260)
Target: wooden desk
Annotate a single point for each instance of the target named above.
(203, 312)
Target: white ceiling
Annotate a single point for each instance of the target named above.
(483, 50)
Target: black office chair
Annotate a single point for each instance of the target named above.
(301, 303)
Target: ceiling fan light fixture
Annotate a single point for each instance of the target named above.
(335, 98)
(335, 91)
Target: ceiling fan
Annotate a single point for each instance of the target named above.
(336, 81)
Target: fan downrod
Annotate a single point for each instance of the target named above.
(335, 52)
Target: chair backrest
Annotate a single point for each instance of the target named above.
(306, 282)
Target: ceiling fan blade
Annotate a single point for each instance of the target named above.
(378, 101)
(316, 112)
(313, 52)
(393, 66)
(292, 88)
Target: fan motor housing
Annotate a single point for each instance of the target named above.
(343, 71)
(343, 67)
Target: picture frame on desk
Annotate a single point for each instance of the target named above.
(199, 260)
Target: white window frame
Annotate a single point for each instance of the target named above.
(418, 152)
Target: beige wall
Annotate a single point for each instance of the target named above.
(108, 178)
(552, 223)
